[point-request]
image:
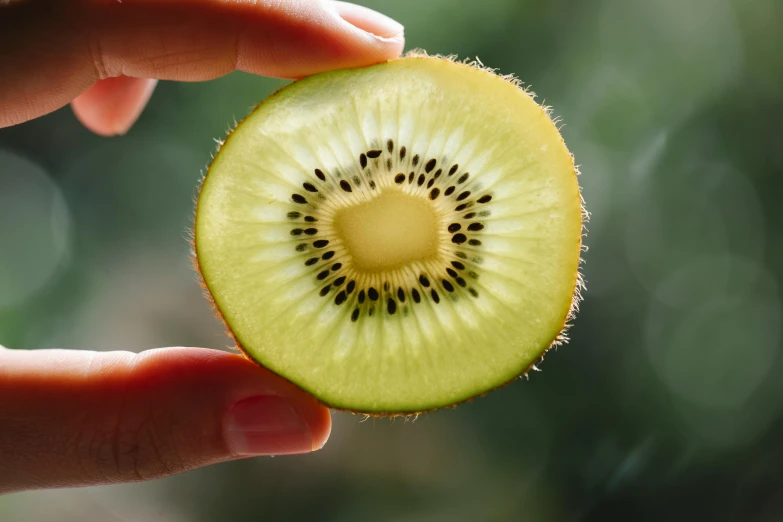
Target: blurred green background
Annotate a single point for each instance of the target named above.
(666, 405)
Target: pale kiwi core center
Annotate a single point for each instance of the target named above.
(392, 230)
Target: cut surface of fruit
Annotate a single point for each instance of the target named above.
(396, 238)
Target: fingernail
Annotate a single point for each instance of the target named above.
(266, 425)
(368, 20)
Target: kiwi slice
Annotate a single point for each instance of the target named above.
(395, 238)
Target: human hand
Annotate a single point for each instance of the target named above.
(104, 56)
(77, 418)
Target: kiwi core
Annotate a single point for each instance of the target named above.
(392, 230)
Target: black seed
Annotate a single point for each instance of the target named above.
(311, 261)
(346, 186)
(399, 178)
(337, 266)
(310, 219)
(437, 174)
(470, 215)
(372, 293)
(458, 238)
(449, 191)
(453, 169)
(311, 231)
(355, 315)
(361, 296)
(415, 295)
(421, 180)
(447, 285)
(435, 296)
(391, 306)
(434, 193)
(294, 215)
(401, 295)
(372, 185)
(475, 226)
(386, 286)
(485, 199)
(463, 195)
(320, 243)
(363, 160)
(451, 272)
(473, 275)
(473, 292)
(325, 290)
(298, 198)
(461, 255)
(458, 265)
(373, 153)
(309, 187)
(390, 146)
(424, 281)
(297, 232)
(301, 247)
(340, 298)
(340, 280)
(403, 150)
(474, 242)
(410, 177)
(388, 164)
(357, 181)
(431, 182)
(350, 286)
(327, 256)
(415, 160)
(429, 166)
(454, 227)
(371, 311)
(461, 207)
(320, 174)
(460, 281)
(463, 178)
(323, 275)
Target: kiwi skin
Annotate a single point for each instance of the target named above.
(579, 281)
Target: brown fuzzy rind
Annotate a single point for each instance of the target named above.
(579, 282)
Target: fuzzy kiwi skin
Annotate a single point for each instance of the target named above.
(560, 339)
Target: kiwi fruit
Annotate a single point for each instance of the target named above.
(395, 238)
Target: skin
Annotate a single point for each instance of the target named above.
(77, 418)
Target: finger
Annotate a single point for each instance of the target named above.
(368, 20)
(58, 56)
(72, 418)
(112, 105)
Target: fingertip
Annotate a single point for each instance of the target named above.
(321, 429)
(264, 414)
(368, 20)
(112, 105)
(387, 33)
(318, 419)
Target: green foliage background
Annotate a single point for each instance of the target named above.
(666, 405)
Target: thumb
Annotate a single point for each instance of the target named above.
(75, 418)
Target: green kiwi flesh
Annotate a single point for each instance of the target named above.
(396, 238)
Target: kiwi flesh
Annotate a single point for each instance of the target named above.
(396, 238)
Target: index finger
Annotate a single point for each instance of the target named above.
(56, 50)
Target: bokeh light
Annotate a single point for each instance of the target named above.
(35, 231)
